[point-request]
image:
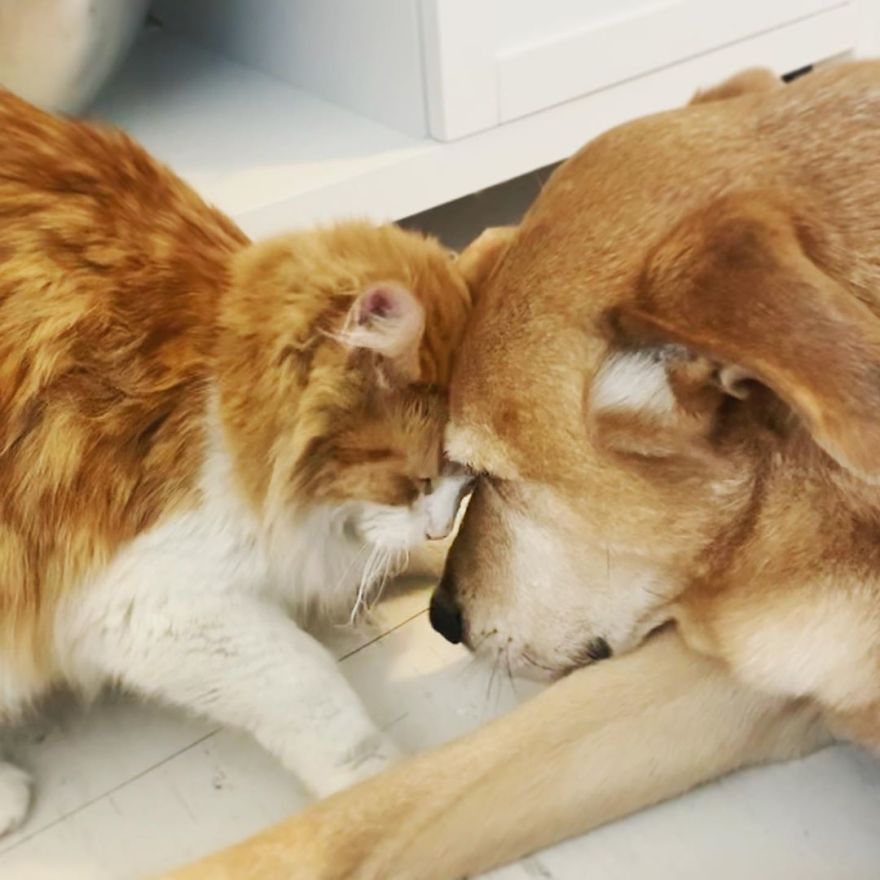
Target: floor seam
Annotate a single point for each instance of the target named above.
(381, 636)
(4, 850)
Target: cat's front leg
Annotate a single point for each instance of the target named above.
(241, 661)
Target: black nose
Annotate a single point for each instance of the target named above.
(445, 615)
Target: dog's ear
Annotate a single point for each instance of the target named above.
(656, 403)
(736, 285)
(748, 82)
(481, 257)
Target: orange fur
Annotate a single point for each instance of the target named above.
(125, 303)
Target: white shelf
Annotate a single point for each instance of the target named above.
(275, 157)
(251, 144)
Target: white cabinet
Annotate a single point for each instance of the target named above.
(493, 61)
(292, 111)
(454, 67)
(362, 54)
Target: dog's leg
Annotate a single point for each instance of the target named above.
(861, 725)
(595, 746)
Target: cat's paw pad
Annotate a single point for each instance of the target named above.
(15, 797)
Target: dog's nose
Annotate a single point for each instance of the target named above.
(445, 615)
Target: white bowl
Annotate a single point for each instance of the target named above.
(58, 53)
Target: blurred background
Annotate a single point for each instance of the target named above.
(287, 112)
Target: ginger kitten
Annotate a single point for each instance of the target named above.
(197, 435)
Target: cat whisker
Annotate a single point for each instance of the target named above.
(395, 561)
(382, 564)
(381, 577)
(355, 559)
(368, 577)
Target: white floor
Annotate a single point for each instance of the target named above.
(125, 789)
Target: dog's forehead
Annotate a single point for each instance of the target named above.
(539, 331)
(517, 412)
(521, 372)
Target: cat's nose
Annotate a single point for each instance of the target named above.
(440, 523)
(445, 614)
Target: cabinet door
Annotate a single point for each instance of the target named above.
(490, 61)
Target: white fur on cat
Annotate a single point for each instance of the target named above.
(196, 612)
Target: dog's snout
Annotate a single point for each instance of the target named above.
(445, 614)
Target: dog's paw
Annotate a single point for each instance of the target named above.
(15, 797)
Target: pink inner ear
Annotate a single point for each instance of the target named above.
(389, 320)
(378, 303)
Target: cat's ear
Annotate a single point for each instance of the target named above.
(388, 320)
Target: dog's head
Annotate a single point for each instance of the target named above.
(637, 371)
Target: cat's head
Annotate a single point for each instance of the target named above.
(335, 358)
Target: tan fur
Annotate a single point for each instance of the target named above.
(125, 303)
(756, 79)
(731, 248)
(483, 256)
(747, 246)
(595, 746)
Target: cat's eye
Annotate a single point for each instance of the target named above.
(462, 467)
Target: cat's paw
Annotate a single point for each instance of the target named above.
(369, 758)
(15, 797)
(347, 776)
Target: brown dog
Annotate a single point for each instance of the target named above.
(671, 386)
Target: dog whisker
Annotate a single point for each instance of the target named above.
(467, 671)
(486, 635)
(490, 688)
(510, 677)
(529, 659)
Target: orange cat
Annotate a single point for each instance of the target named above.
(195, 431)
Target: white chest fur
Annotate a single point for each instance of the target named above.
(220, 549)
(190, 613)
